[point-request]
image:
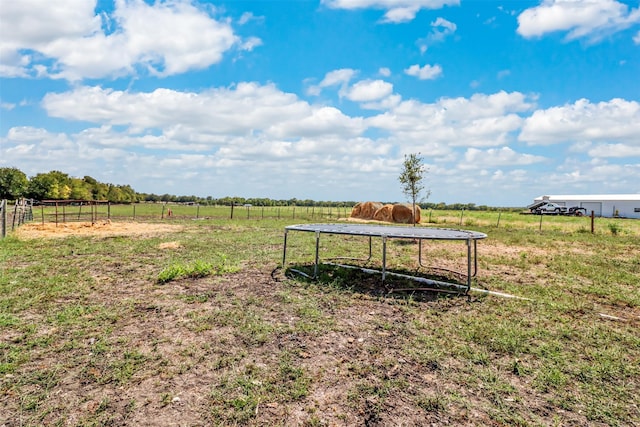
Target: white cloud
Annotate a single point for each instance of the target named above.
(317, 122)
(591, 177)
(590, 19)
(441, 29)
(248, 17)
(66, 39)
(337, 77)
(246, 109)
(251, 43)
(427, 72)
(505, 156)
(244, 132)
(447, 26)
(369, 90)
(479, 121)
(614, 150)
(252, 166)
(616, 119)
(397, 11)
(237, 137)
(636, 38)
(340, 77)
(387, 103)
(384, 72)
(401, 14)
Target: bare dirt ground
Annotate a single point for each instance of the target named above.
(99, 228)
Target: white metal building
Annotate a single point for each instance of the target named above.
(606, 205)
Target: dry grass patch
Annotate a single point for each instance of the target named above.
(99, 228)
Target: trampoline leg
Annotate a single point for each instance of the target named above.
(475, 258)
(469, 276)
(315, 267)
(284, 251)
(384, 257)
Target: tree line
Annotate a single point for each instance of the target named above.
(56, 185)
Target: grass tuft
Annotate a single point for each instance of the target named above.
(195, 269)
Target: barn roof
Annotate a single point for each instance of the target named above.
(592, 197)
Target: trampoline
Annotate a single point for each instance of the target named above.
(470, 238)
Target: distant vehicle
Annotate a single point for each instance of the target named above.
(547, 208)
(550, 208)
(577, 211)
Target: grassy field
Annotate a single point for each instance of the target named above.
(178, 321)
(445, 218)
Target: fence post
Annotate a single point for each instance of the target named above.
(498, 224)
(540, 226)
(593, 216)
(15, 215)
(461, 215)
(3, 211)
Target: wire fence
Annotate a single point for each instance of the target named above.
(86, 211)
(91, 212)
(12, 217)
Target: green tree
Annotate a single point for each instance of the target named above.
(50, 185)
(42, 186)
(411, 178)
(129, 194)
(13, 183)
(80, 189)
(114, 194)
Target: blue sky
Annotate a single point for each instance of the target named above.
(321, 99)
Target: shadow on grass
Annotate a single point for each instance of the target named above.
(353, 279)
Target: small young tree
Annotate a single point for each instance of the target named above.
(411, 178)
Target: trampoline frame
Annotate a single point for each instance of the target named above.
(397, 232)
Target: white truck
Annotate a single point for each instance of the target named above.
(548, 208)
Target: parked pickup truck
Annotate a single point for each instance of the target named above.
(550, 208)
